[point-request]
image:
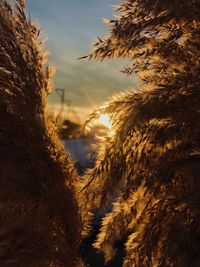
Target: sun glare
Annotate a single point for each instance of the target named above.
(104, 119)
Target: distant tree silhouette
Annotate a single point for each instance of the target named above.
(152, 157)
(39, 218)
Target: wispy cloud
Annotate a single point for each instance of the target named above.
(71, 27)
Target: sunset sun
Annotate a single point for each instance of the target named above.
(104, 119)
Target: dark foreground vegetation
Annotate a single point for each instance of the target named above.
(152, 159)
(40, 222)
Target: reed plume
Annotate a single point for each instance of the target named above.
(39, 221)
(152, 159)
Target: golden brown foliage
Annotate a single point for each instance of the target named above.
(153, 156)
(39, 221)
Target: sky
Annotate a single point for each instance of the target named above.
(70, 27)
